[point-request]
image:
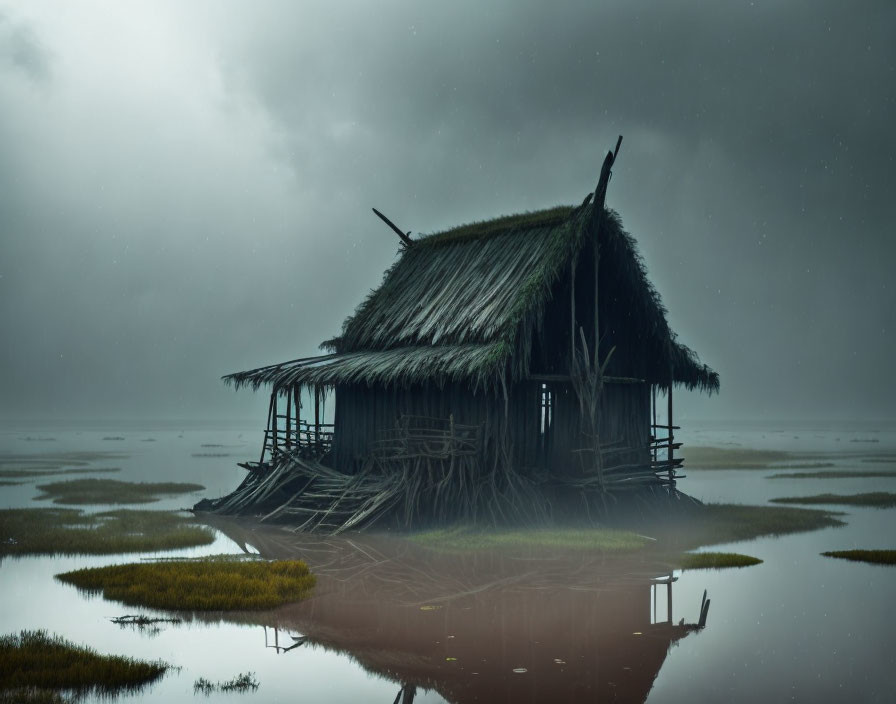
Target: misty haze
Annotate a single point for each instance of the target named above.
(462, 353)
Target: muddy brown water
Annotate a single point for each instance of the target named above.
(469, 626)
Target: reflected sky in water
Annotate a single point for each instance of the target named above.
(797, 626)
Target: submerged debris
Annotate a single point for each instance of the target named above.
(140, 620)
(243, 682)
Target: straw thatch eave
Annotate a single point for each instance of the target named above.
(477, 365)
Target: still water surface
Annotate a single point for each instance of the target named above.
(798, 627)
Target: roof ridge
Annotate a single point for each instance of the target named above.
(492, 227)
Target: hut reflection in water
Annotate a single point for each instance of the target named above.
(481, 627)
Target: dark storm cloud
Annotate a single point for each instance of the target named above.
(21, 50)
(199, 201)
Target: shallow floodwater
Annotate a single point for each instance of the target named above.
(797, 627)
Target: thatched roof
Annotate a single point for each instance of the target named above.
(464, 305)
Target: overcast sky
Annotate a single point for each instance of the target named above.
(185, 187)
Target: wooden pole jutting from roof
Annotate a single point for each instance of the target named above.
(404, 238)
(600, 197)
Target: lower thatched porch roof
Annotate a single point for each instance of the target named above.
(475, 363)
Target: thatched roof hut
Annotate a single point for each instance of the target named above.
(512, 352)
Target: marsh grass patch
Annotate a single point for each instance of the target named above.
(713, 524)
(874, 499)
(667, 532)
(66, 531)
(716, 560)
(198, 584)
(111, 491)
(838, 474)
(33, 660)
(466, 538)
(874, 557)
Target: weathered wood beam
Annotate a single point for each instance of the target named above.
(671, 433)
(404, 237)
(317, 414)
(600, 196)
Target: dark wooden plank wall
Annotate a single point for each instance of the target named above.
(362, 411)
(625, 416)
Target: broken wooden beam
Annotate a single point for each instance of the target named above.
(404, 237)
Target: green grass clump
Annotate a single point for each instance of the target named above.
(111, 491)
(840, 474)
(877, 499)
(712, 524)
(875, 557)
(35, 659)
(467, 538)
(61, 531)
(716, 560)
(718, 523)
(199, 585)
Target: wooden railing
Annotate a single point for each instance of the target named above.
(308, 439)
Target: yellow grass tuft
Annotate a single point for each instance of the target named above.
(199, 585)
